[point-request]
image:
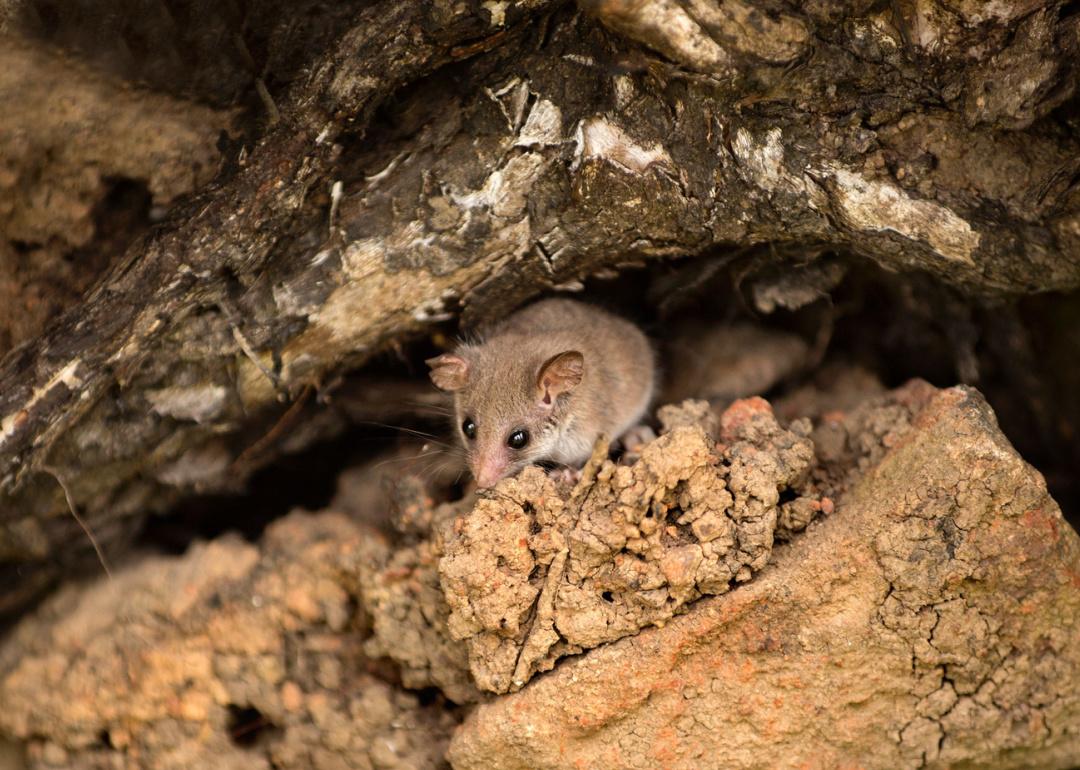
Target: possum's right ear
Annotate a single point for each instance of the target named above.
(449, 372)
(559, 374)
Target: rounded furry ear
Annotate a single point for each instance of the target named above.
(449, 372)
(559, 374)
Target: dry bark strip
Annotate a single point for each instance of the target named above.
(923, 136)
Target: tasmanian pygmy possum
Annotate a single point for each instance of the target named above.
(544, 384)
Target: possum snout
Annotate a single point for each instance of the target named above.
(489, 466)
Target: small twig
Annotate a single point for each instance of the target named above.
(245, 346)
(585, 484)
(260, 84)
(272, 435)
(249, 351)
(268, 101)
(75, 515)
(336, 190)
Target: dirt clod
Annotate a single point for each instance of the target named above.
(630, 547)
(231, 656)
(931, 620)
(923, 614)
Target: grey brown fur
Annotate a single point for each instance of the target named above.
(497, 383)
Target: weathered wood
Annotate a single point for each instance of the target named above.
(95, 398)
(526, 148)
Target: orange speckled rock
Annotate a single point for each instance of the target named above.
(930, 621)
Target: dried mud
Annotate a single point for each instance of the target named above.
(927, 617)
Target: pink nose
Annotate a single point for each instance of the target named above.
(488, 474)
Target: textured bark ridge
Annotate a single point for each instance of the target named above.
(526, 147)
(928, 616)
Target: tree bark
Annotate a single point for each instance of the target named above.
(527, 147)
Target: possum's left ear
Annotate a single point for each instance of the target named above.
(559, 374)
(449, 372)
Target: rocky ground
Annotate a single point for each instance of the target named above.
(887, 585)
(231, 232)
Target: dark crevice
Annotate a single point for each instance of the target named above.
(120, 217)
(46, 278)
(431, 696)
(248, 727)
(1068, 10)
(306, 480)
(897, 327)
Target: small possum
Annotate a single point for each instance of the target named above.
(544, 384)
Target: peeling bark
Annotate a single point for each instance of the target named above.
(527, 148)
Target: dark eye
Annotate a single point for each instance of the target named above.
(518, 439)
(469, 428)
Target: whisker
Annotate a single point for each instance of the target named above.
(428, 405)
(410, 458)
(430, 470)
(411, 431)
